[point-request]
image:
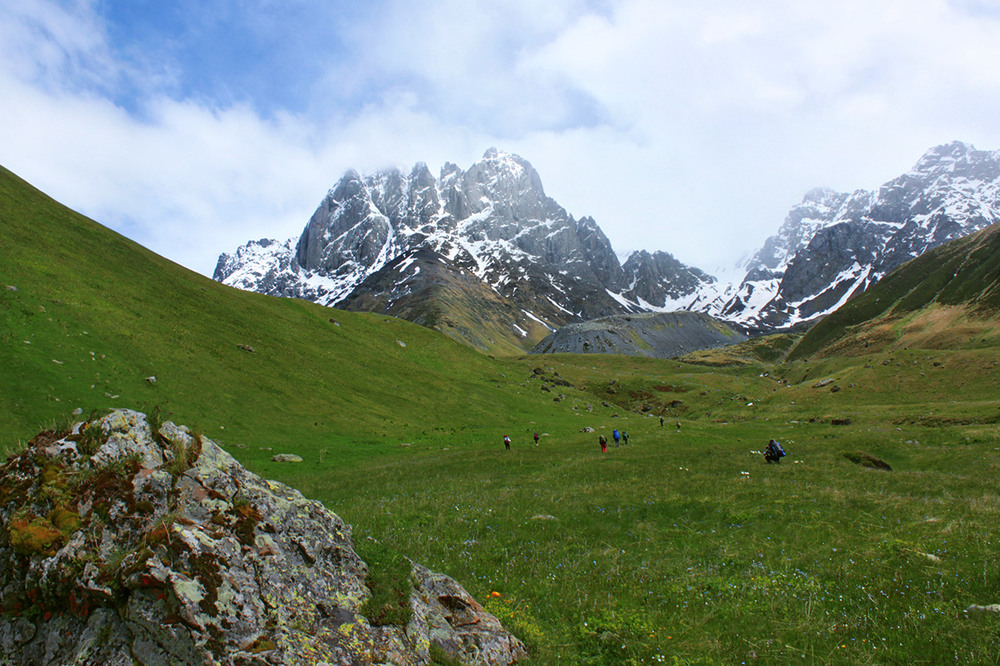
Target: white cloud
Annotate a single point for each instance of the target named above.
(685, 127)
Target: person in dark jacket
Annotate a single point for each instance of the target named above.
(773, 453)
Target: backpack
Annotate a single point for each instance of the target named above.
(776, 448)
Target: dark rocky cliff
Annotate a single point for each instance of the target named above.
(659, 335)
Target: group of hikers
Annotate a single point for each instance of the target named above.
(621, 438)
(772, 453)
(506, 441)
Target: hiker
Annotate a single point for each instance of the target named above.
(617, 436)
(678, 426)
(624, 438)
(661, 421)
(773, 452)
(506, 442)
(604, 444)
(536, 439)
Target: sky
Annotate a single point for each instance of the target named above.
(688, 127)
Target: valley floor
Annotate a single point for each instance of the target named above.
(685, 547)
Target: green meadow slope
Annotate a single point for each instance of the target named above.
(683, 547)
(87, 316)
(946, 298)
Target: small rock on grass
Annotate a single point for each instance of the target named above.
(286, 457)
(976, 609)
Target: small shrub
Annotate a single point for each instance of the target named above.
(866, 460)
(441, 658)
(389, 582)
(155, 417)
(613, 638)
(90, 438)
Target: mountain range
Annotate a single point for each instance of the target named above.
(485, 256)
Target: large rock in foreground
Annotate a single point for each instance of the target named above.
(120, 545)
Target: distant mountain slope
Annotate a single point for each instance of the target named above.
(834, 245)
(950, 294)
(657, 335)
(519, 264)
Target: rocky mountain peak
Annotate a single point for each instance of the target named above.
(820, 196)
(833, 245)
(140, 542)
(946, 156)
(371, 244)
(494, 223)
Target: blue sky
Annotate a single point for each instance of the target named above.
(679, 126)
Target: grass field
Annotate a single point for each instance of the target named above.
(683, 547)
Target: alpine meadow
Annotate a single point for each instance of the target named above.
(875, 540)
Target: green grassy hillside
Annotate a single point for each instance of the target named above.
(950, 294)
(683, 547)
(86, 316)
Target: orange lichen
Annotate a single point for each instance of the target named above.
(31, 535)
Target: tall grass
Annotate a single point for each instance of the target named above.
(688, 548)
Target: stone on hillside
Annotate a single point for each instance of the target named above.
(126, 546)
(976, 609)
(867, 460)
(286, 457)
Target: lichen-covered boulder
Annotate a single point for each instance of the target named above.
(123, 543)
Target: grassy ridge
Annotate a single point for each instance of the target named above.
(683, 547)
(963, 274)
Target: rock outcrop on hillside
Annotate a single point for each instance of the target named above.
(123, 543)
(657, 335)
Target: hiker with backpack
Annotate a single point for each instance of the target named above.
(536, 439)
(604, 443)
(506, 442)
(624, 438)
(773, 452)
(617, 435)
